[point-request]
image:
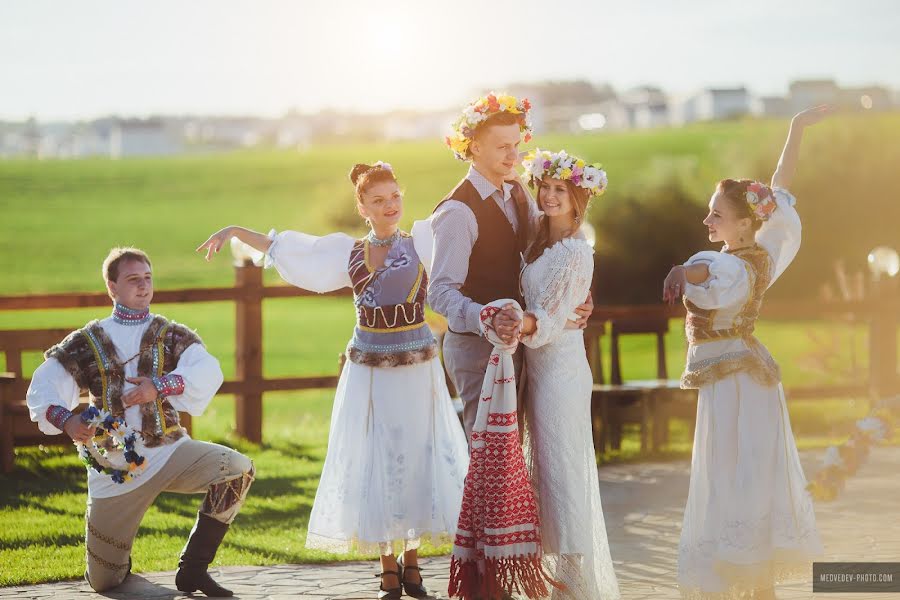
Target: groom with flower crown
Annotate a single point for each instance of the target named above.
(481, 229)
(140, 369)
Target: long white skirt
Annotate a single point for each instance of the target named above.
(560, 451)
(396, 461)
(749, 521)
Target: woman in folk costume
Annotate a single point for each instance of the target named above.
(564, 523)
(396, 455)
(749, 520)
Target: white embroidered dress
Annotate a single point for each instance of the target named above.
(559, 439)
(749, 520)
(397, 454)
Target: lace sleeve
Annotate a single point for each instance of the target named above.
(566, 286)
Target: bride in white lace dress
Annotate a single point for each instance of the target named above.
(559, 442)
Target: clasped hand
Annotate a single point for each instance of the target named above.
(507, 324)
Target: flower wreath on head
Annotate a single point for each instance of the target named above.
(383, 165)
(124, 438)
(479, 111)
(761, 200)
(541, 164)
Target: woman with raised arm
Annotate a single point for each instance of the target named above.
(749, 520)
(397, 455)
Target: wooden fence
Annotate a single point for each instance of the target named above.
(249, 385)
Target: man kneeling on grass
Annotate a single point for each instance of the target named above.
(139, 370)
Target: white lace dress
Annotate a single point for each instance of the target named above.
(559, 441)
(749, 520)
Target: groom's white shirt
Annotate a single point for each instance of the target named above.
(455, 231)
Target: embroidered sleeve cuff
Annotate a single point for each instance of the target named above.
(58, 415)
(169, 385)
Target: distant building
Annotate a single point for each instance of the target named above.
(225, 132)
(646, 107)
(813, 92)
(292, 131)
(714, 104)
(409, 125)
(136, 137)
(771, 106)
(867, 98)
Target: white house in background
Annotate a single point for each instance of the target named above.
(135, 137)
(292, 131)
(646, 107)
(812, 92)
(225, 132)
(713, 104)
(867, 98)
(771, 106)
(415, 126)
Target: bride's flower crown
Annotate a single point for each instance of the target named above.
(541, 164)
(761, 200)
(479, 111)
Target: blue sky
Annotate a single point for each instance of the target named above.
(94, 57)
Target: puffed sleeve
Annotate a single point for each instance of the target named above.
(200, 375)
(317, 264)
(423, 242)
(728, 282)
(52, 389)
(567, 283)
(780, 235)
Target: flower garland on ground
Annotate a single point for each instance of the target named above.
(842, 461)
(541, 164)
(124, 438)
(480, 110)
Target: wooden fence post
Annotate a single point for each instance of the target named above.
(248, 350)
(883, 341)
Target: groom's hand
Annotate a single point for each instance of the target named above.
(507, 323)
(584, 313)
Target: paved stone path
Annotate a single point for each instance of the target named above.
(643, 505)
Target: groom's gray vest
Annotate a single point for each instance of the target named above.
(495, 260)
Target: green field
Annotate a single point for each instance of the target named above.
(60, 217)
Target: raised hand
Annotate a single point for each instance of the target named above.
(216, 241)
(811, 116)
(787, 164)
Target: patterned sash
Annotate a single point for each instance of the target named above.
(498, 542)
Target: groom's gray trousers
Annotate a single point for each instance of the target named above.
(466, 358)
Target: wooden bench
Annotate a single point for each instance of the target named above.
(16, 427)
(648, 403)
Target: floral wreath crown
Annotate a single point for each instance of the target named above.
(559, 165)
(761, 200)
(479, 111)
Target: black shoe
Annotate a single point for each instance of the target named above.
(198, 553)
(416, 590)
(392, 593)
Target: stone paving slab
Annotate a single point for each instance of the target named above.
(643, 506)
